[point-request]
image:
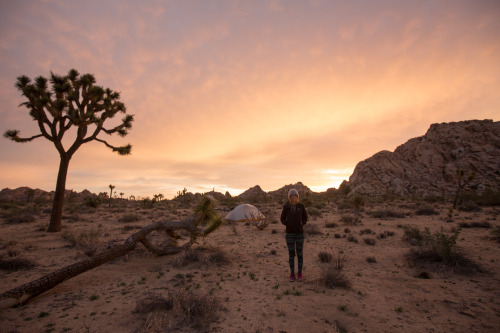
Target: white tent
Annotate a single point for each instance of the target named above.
(244, 212)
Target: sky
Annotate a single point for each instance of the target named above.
(231, 94)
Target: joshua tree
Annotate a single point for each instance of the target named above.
(71, 101)
(111, 187)
(121, 195)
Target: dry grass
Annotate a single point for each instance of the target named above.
(185, 309)
(260, 224)
(87, 241)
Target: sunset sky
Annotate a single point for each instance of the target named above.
(233, 94)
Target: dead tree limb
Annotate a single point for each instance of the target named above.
(27, 291)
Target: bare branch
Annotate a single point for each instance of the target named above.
(14, 136)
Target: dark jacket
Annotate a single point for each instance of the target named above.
(294, 219)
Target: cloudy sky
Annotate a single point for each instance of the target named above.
(231, 94)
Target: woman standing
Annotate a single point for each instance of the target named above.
(294, 216)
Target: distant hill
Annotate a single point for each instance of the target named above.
(427, 165)
(27, 194)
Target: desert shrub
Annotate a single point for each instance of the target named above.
(21, 217)
(389, 233)
(312, 229)
(219, 258)
(14, 264)
(319, 205)
(315, 212)
(6, 205)
(331, 275)
(352, 239)
(385, 214)
(424, 275)
(414, 235)
(187, 308)
(440, 250)
(426, 210)
(371, 260)
(325, 257)
(337, 235)
(347, 230)
(495, 234)
(469, 206)
(456, 261)
(130, 217)
(260, 224)
(349, 219)
(331, 225)
(187, 257)
(92, 201)
(370, 241)
(87, 241)
(365, 231)
(475, 225)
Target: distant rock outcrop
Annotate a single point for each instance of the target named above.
(253, 193)
(427, 165)
(25, 194)
(283, 192)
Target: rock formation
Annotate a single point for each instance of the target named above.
(428, 165)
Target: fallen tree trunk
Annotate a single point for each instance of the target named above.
(27, 291)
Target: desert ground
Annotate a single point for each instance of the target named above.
(236, 279)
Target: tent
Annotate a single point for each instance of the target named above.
(244, 212)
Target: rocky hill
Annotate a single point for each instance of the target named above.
(27, 194)
(427, 165)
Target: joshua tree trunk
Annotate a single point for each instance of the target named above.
(22, 294)
(57, 207)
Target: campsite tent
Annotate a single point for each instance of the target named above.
(244, 212)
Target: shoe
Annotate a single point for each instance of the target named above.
(292, 277)
(300, 277)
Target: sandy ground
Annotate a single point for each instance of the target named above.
(251, 290)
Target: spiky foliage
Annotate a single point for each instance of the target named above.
(70, 102)
(206, 216)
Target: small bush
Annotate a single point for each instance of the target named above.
(312, 229)
(475, 225)
(219, 258)
(365, 231)
(260, 224)
(371, 260)
(21, 217)
(87, 241)
(352, 239)
(469, 206)
(92, 201)
(15, 264)
(413, 234)
(189, 256)
(128, 218)
(314, 212)
(331, 277)
(424, 275)
(385, 214)
(331, 225)
(188, 309)
(370, 241)
(347, 230)
(337, 235)
(426, 210)
(350, 219)
(325, 257)
(495, 234)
